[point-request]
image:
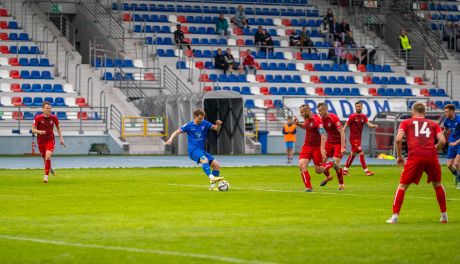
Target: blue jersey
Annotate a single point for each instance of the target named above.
(196, 134)
(453, 125)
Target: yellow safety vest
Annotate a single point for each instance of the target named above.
(289, 129)
(405, 42)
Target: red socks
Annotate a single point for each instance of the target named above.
(441, 196)
(306, 179)
(47, 166)
(363, 162)
(340, 176)
(399, 198)
(349, 161)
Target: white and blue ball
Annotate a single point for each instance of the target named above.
(223, 186)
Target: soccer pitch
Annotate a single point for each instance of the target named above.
(167, 215)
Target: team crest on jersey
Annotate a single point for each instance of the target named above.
(51, 122)
(311, 124)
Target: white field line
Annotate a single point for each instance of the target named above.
(326, 193)
(131, 249)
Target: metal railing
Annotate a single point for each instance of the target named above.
(138, 126)
(129, 88)
(115, 119)
(173, 83)
(251, 126)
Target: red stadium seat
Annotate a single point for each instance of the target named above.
(367, 79)
(264, 90)
(189, 53)
(15, 74)
(187, 40)
(181, 19)
(185, 30)
(240, 42)
(4, 36)
(16, 101)
(418, 80)
(18, 115)
(362, 68)
(3, 25)
(80, 101)
(260, 78)
(237, 31)
(424, 92)
(204, 77)
(319, 91)
(314, 79)
(271, 117)
(199, 65)
(298, 56)
(82, 115)
(286, 22)
(13, 62)
(423, 6)
(126, 17)
(3, 12)
(373, 91)
(257, 65)
(243, 54)
(309, 67)
(207, 88)
(4, 49)
(149, 76)
(268, 103)
(15, 87)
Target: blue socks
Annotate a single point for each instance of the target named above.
(215, 173)
(207, 169)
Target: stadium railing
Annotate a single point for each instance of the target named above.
(138, 126)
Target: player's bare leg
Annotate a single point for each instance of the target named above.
(441, 197)
(363, 164)
(339, 173)
(215, 165)
(350, 160)
(303, 163)
(397, 203)
(453, 169)
(47, 165)
(457, 167)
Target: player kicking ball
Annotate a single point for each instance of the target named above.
(43, 126)
(335, 143)
(197, 131)
(356, 123)
(313, 147)
(422, 156)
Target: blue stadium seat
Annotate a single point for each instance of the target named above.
(337, 91)
(38, 101)
(433, 92)
(24, 37)
(226, 88)
(34, 50)
(292, 91)
(118, 63)
(278, 103)
(390, 92)
(26, 88)
(25, 75)
(332, 79)
(180, 65)
(27, 101)
(291, 67)
(22, 50)
(13, 25)
(108, 76)
(384, 80)
(328, 91)
(45, 75)
(249, 103)
(341, 79)
(29, 116)
(399, 92)
(245, 90)
(355, 92)
(236, 89)
(378, 68)
(282, 91)
(13, 36)
(273, 90)
(402, 80)
(381, 92)
(278, 78)
(49, 100)
(408, 92)
(57, 88)
(213, 77)
(323, 79)
(387, 68)
(301, 91)
(24, 61)
(346, 91)
(393, 80)
(37, 88)
(34, 62)
(441, 92)
(108, 63)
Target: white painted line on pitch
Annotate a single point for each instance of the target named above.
(131, 249)
(327, 193)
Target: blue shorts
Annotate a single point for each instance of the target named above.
(196, 154)
(452, 152)
(289, 144)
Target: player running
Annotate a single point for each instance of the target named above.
(335, 143)
(197, 131)
(313, 147)
(422, 156)
(452, 124)
(356, 123)
(43, 126)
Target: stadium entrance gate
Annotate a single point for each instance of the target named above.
(226, 106)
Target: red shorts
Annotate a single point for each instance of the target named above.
(43, 148)
(356, 145)
(333, 150)
(414, 168)
(311, 153)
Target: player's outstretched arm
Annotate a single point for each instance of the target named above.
(370, 125)
(297, 123)
(38, 132)
(217, 126)
(399, 140)
(441, 141)
(61, 138)
(170, 140)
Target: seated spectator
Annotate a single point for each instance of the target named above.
(344, 28)
(179, 38)
(232, 64)
(450, 34)
(263, 39)
(219, 61)
(334, 29)
(306, 41)
(324, 30)
(295, 39)
(329, 16)
(240, 19)
(222, 26)
(249, 63)
(349, 41)
(336, 53)
(361, 54)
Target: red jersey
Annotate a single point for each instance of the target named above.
(47, 124)
(420, 136)
(356, 123)
(312, 136)
(248, 60)
(332, 125)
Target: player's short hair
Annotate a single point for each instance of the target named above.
(322, 104)
(198, 112)
(358, 103)
(419, 108)
(304, 105)
(450, 107)
(46, 103)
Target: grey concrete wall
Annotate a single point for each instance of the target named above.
(75, 144)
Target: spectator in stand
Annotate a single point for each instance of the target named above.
(336, 53)
(329, 16)
(219, 61)
(263, 39)
(306, 40)
(349, 42)
(249, 63)
(334, 29)
(344, 28)
(222, 26)
(362, 56)
(230, 61)
(179, 38)
(295, 39)
(324, 30)
(240, 19)
(405, 47)
(451, 35)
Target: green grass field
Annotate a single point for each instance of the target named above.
(169, 216)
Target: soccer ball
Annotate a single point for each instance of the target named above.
(223, 186)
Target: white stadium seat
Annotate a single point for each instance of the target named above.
(7, 115)
(138, 64)
(280, 32)
(5, 87)
(72, 115)
(255, 90)
(288, 55)
(4, 61)
(4, 74)
(277, 22)
(6, 101)
(259, 103)
(172, 19)
(68, 88)
(231, 42)
(352, 67)
(364, 91)
(251, 78)
(70, 101)
(359, 79)
(305, 79)
(310, 90)
(300, 66)
(410, 80)
(284, 43)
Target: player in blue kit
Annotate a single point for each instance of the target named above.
(197, 131)
(452, 123)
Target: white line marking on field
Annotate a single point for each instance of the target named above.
(131, 249)
(327, 193)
